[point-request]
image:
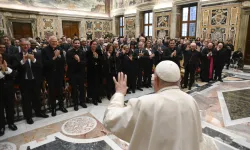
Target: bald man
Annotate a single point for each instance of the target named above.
(53, 66)
(220, 59)
(191, 62)
(207, 63)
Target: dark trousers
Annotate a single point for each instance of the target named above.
(31, 92)
(189, 71)
(77, 83)
(55, 85)
(139, 78)
(110, 85)
(131, 82)
(6, 102)
(218, 70)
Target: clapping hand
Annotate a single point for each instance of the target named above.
(57, 53)
(31, 57)
(25, 57)
(121, 84)
(77, 58)
(4, 66)
(95, 55)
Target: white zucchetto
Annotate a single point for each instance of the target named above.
(168, 71)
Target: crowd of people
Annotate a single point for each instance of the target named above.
(93, 63)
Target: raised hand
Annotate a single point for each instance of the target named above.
(121, 84)
(31, 57)
(77, 58)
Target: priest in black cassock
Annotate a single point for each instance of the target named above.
(173, 53)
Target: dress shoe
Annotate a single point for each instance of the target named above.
(30, 121)
(99, 101)
(184, 87)
(220, 80)
(95, 103)
(140, 89)
(2, 130)
(83, 105)
(150, 86)
(42, 115)
(53, 112)
(63, 109)
(189, 88)
(12, 127)
(128, 92)
(133, 91)
(76, 108)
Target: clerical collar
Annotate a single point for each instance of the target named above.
(168, 88)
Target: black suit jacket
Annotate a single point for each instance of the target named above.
(51, 66)
(12, 63)
(75, 67)
(12, 50)
(35, 67)
(167, 55)
(141, 61)
(191, 58)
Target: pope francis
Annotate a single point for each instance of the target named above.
(166, 120)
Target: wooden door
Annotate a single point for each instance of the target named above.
(247, 50)
(22, 30)
(70, 29)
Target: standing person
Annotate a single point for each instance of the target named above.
(148, 65)
(141, 54)
(30, 72)
(10, 49)
(94, 72)
(219, 62)
(9, 65)
(158, 51)
(173, 53)
(191, 62)
(84, 46)
(154, 113)
(207, 63)
(110, 69)
(54, 63)
(229, 49)
(76, 60)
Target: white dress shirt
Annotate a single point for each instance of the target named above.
(22, 63)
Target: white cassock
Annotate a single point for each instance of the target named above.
(166, 120)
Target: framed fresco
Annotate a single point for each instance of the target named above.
(98, 25)
(162, 33)
(219, 17)
(162, 21)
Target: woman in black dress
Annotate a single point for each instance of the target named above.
(94, 70)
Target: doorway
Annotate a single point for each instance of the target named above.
(22, 30)
(70, 29)
(247, 50)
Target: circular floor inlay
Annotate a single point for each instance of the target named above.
(79, 125)
(7, 146)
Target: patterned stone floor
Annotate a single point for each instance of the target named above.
(218, 134)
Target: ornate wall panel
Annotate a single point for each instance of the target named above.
(48, 26)
(221, 22)
(130, 26)
(96, 28)
(162, 24)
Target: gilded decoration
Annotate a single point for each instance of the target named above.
(106, 26)
(162, 24)
(48, 23)
(221, 22)
(130, 26)
(219, 17)
(98, 25)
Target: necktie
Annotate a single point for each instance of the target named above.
(28, 69)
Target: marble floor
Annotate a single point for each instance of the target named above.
(224, 110)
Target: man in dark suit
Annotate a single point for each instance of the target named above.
(10, 49)
(84, 46)
(76, 60)
(54, 63)
(220, 54)
(30, 72)
(173, 53)
(191, 62)
(158, 49)
(8, 96)
(141, 54)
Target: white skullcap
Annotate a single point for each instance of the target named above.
(168, 71)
